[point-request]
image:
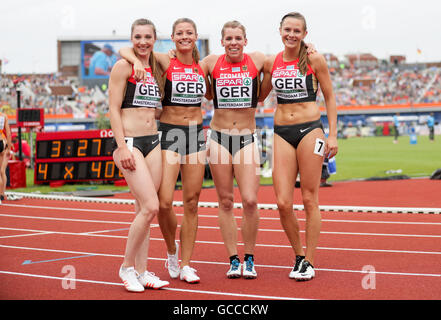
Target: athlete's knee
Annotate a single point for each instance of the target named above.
(165, 205)
(191, 202)
(310, 200)
(149, 209)
(226, 203)
(284, 205)
(249, 204)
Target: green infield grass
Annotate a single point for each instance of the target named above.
(362, 158)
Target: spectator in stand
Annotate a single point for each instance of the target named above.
(431, 125)
(391, 86)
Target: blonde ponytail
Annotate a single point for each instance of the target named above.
(157, 73)
(303, 59)
(195, 54)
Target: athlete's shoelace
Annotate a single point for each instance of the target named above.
(151, 274)
(249, 264)
(235, 265)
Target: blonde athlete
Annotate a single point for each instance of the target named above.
(233, 142)
(299, 141)
(233, 147)
(182, 143)
(137, 153)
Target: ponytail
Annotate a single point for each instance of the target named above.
(157, 73)
(303, 59)
(195, 54)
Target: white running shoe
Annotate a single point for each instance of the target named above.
(149, 280)
(248, 271)
(172, 263)
(306, 271)
(189, 274)
(129, 276)
(296, 267)
(235, 269)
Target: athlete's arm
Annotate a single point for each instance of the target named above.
(158, 112)
(209, 84)
(259, 61)
(163, 59)
(207, 65)
(117, 82)
(310, 48)
(128, 54)
(266, 86)
(320, 67)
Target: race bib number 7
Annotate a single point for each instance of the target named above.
(319, 147)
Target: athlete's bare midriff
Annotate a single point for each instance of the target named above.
(182, 116)
(237, 121)
(294, 113)
(138, 122)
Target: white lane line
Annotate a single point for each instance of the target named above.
(239, 243)
(219, 293)
(216, 228)
(222, 263)
(25, 235)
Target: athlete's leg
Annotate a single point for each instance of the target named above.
(166, 217)
(222, 172)
(310, 165)
(142, 187)
(285, 171)
(153, 162)
(246, 163)
(192, 175)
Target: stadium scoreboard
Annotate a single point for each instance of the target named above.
(30, 117)
(75, 156)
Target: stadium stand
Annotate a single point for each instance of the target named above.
(384, 85)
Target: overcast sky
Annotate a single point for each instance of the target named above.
(29, 29)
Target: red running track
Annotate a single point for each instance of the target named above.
(361, 256)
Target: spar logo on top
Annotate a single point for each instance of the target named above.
(147, 93)
(289, 83)
(187, 87)
(234, 90)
